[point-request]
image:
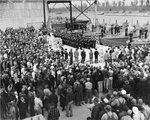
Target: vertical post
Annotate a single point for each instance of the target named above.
(81, 6)
(71, 15)
(44, 13)
(95, 3)
(38, 117)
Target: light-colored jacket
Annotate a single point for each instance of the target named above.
(76, 54)
(138, 116)
(127, 117)
(105, 116)
(38, 105)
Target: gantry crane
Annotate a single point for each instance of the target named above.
(70, 2)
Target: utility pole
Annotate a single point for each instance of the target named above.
(44, 13)
(71, 22)
(95, 3)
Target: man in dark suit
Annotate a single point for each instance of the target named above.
(83, 55)
(53, 98)
(96, 53)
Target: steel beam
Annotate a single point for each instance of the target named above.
(48, 2)
(70, 4)
(71, 15)
(44, 13)
(66, 6)
(82, 12)
(63, 1)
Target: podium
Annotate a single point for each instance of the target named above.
(37, 117)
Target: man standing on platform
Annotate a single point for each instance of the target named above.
(71, 56)
(91, 56)
(131, 39)
(106, 56)
(140, 33)
(126, 31)
(112, 29)
(66, 54)
(83, 55)
(102, 32)
(96, 53)
(76, 55)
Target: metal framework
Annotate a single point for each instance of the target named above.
(94, 2)
(62, 1)
(47, 2)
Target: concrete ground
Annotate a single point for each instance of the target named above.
(79, 113)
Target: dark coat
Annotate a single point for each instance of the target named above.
(95, 112)
(53, 98)
(22, 105)
(51, 81)
(62, 97)
(83, 54)
(78, 92)
(96, 54)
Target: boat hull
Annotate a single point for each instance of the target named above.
(115, 41)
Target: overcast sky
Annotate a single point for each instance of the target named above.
(78, 2)
(101, 1)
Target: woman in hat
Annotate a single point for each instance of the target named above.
(137, 115)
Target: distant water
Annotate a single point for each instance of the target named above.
(109, 19)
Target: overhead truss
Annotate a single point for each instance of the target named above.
(82, 11)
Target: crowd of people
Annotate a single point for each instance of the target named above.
(76, 40)
(31, 74)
